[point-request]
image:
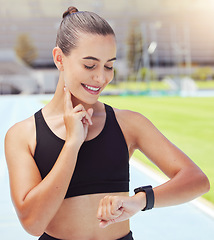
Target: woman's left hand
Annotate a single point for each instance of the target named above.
(113, 209)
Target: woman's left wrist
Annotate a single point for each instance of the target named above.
(140, 200)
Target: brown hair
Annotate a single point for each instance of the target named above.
(75, 22)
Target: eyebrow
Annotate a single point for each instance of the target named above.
(96, 59)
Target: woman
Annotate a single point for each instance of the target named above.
(68, 164)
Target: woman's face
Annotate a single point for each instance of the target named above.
(89, 67)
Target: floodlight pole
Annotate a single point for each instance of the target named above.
(146, 59)
(187, 51)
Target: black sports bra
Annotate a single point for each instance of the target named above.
(102, 164)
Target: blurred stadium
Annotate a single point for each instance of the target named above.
(158, 40)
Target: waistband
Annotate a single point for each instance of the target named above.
(45, 236)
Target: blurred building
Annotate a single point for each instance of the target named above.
(180, 31)
(16, 77)
(181, 28)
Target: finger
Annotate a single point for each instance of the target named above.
(81, 116)
(116, 207)
(104, 217)
(84, 121)
(80, 111)
(102, 209)
(89, 121)
(107, 201)
(79, 108)
(90, 111)
(87, 115)
(107, 209)
(104, 224)
(67, 100)
(99, 211)
(113, 207)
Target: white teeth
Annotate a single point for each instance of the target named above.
(92, 88)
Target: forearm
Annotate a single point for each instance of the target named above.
(41, 204)
(186, 185)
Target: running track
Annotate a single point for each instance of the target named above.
(184, 222)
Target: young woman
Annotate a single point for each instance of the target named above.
(69, 163)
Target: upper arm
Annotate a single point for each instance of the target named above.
(149, 140)
(23, 172)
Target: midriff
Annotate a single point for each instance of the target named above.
(77, 219)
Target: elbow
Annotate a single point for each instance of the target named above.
(206, 184)
(203, 183)
(31, 220)
(33, 227)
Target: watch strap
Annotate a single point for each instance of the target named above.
(150, 199)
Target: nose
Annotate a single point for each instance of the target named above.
(99, 77)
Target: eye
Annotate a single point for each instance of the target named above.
(108, 68)
(89, 67)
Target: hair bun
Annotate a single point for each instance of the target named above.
(70, 11)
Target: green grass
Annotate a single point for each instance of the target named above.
(154, 85)
(187, 122)
(205, 84)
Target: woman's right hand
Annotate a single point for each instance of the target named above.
(77, 120)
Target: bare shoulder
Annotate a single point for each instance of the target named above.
(131, 119)
(22, 133)
(134, 126)
(21, 129)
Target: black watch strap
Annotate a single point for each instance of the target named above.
(150, 198)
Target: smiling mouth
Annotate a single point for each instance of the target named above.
(94, 90)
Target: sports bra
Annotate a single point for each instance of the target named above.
(102, 164)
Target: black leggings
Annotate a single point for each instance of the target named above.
(45, 236)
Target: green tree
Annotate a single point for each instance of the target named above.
(134, 46)
(25, 49)
(203, 73)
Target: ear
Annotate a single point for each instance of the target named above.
(58, 58)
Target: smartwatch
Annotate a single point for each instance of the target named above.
(150, 198)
